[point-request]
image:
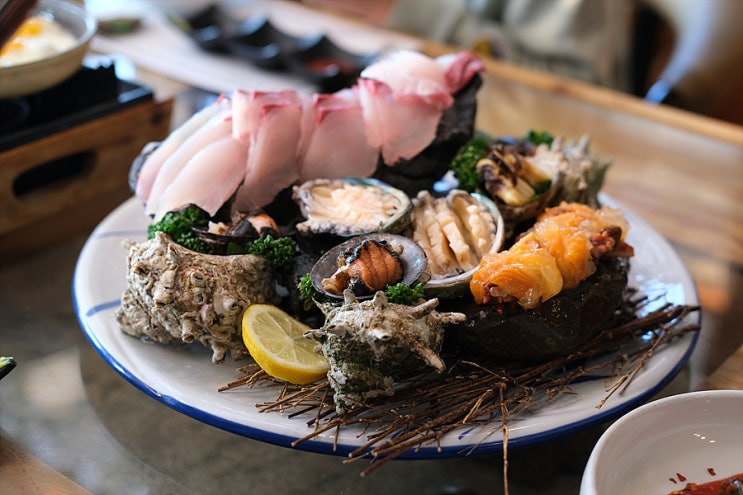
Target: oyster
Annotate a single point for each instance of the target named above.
(175, 295)
(372, 344)
(348, 207)
(367, 264)
(455, 231)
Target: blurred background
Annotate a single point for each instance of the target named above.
(685, 53)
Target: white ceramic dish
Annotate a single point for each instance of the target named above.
(29, 78)
(650, 449)
(185, 379)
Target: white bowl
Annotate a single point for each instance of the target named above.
(667, 443)
(25, 79)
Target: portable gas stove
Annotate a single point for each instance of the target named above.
(65, 154)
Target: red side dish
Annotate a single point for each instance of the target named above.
(732, 485)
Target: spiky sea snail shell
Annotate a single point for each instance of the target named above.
(374, 343)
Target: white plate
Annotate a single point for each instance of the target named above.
(185, 379)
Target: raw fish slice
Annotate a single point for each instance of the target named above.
(459, 68)
(247, 108)
(336, 146)
(216, 128)
(310, 107)
(411, 73)
(272, 163)
(401, 126)
(154, 162)
(209, 179)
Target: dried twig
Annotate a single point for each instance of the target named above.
(478, 392)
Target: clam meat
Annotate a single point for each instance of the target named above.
(455, 231)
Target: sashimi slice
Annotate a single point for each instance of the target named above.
(401, 126)
(334, 144)
(272, 163)
(219, 126)
(154, 162)
(248, 105)
(411, 73)
(208, 180)
(459, 68)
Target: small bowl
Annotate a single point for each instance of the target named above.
(32, 77)
(695, 437)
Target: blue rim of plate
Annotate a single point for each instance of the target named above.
(482, 447)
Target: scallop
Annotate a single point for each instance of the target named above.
(378, 255)
(455, 232)
(351, 207)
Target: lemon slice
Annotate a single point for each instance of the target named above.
(278, 345)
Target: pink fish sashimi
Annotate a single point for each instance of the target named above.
(459, 68)
(411, 73)
(310, 107)
(272, 163)
(154, 162)
(333, 143)
(248, 105)
(216, 128)
(401, 126)
(208, 180)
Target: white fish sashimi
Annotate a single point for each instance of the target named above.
(167, 147)
(401, 126)
(248, 106)
(459, 69)
(260, 142)
(335, 145)
(272, 163)
(411, 73)
(215, 129)
(208, 180)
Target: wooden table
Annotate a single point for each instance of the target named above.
(681, 172)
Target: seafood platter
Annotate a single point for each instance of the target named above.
(404, 245)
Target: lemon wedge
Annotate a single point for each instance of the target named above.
(277, 343)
